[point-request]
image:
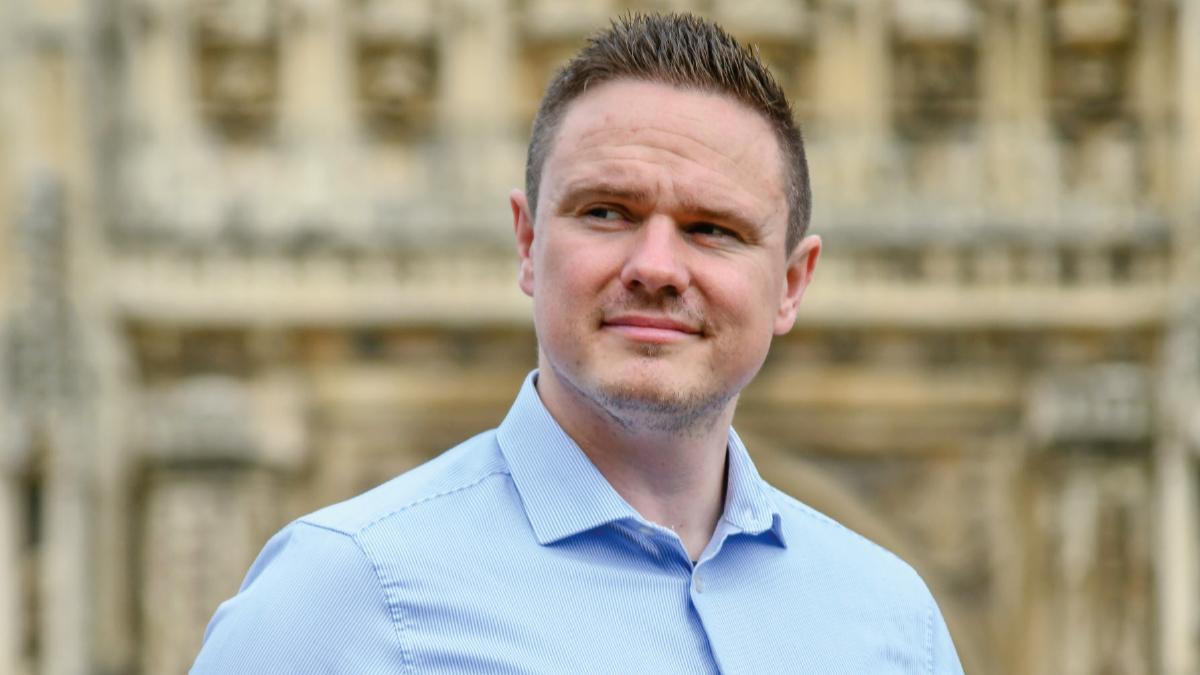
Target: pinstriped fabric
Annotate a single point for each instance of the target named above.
(511, 554)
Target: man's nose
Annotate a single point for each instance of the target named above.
(656, 262)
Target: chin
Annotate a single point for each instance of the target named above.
(645, 396)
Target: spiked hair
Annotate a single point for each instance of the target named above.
(684, 51)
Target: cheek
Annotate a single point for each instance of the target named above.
(750, 300)
(569, 285)
(572, 270)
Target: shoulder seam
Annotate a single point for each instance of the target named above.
(397, 622)
(359, 529)
(428, 498)
(320, 526)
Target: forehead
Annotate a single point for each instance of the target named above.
(626, 128)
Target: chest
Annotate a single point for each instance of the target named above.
(632, 608)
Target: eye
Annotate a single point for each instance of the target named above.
(711, 230)
(604, 213)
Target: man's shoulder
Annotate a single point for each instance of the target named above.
(458, 469)
(864, 591)
(827, 541)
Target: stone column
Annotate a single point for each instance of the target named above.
(851, 102)
(11, 540)
(10, 520)
(1013, 109)
(1152, 97)
(50, 383)
(1036, 179)
(47, 390)
(161, 83)
(479, 102)
(316, 112)
(1178, 472)
(160, 174)
(1187, 179)
(1001, 98)
(1177, 559)
(65, 594)
(1178, 505)
(52, 121)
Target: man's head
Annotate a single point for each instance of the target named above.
(668, 246)
(684, 51)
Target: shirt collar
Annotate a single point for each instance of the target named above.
(748, 504)
(565, 494)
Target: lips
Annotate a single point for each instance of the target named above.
(652, 329)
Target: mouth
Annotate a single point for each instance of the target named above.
(651, 329)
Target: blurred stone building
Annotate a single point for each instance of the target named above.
(255, 257)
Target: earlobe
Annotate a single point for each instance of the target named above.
(801, 263)
(523, 229)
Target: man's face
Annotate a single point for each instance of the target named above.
(657, 264)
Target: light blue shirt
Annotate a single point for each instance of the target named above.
(512, 554)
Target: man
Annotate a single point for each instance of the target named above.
(613, 522)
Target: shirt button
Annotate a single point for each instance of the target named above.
(699, 583)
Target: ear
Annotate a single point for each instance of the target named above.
(800, 265)
(523, 227)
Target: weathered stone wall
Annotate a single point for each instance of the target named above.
(255, 258)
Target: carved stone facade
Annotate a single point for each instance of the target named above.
(255, 258)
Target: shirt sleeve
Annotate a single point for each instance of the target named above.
(943, 657)
(312, 602)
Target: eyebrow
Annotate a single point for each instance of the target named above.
(577, 192)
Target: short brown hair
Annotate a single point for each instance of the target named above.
(686, 51)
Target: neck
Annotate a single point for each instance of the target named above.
(673, 478)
